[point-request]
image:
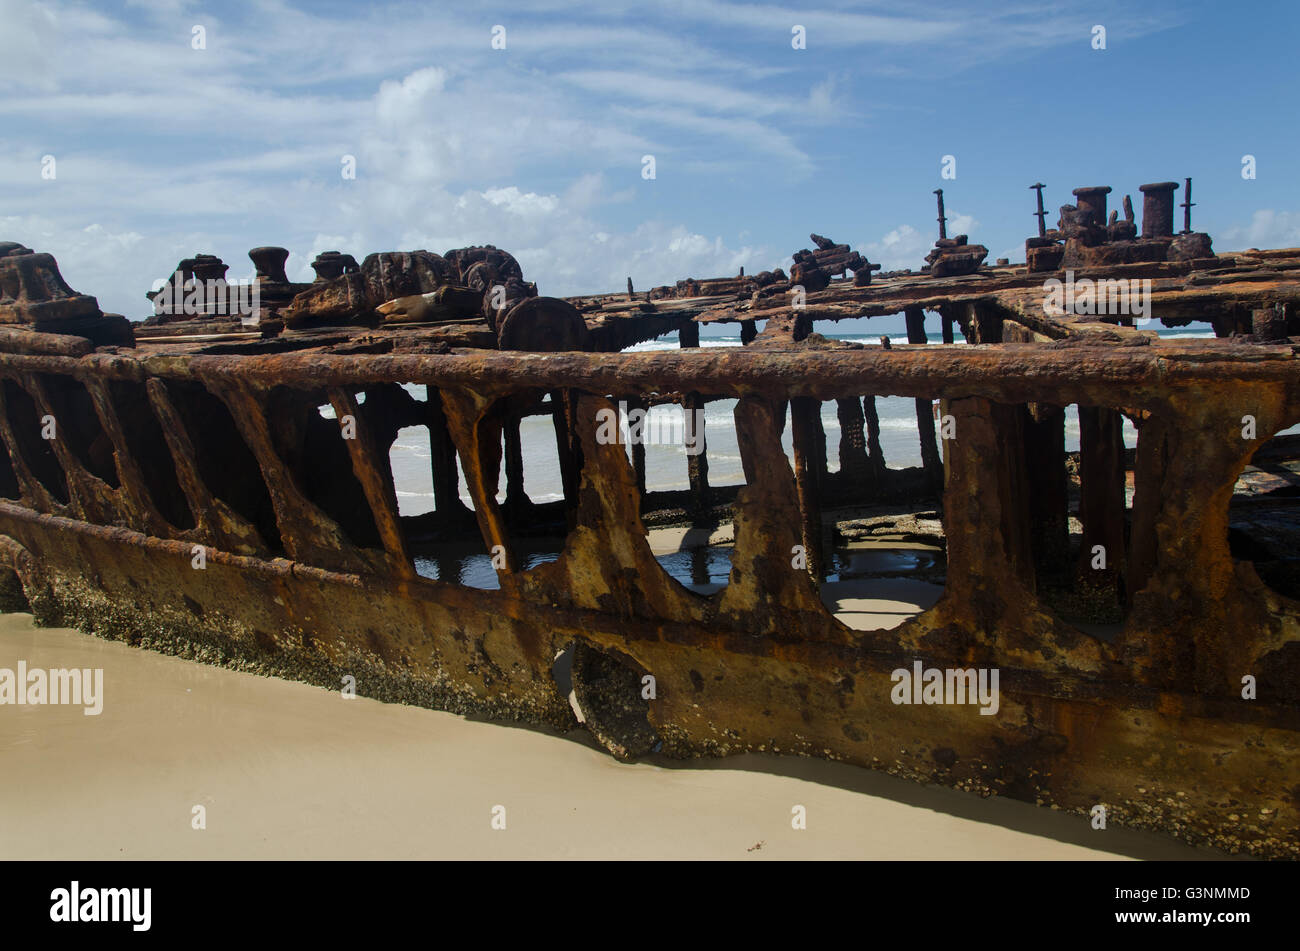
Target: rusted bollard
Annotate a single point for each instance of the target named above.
(1158, 209)
(1092, 199)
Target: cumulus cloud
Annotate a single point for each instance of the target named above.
(902, 247)
(906, 247)
(1267, 229)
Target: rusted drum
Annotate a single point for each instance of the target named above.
(543, 324)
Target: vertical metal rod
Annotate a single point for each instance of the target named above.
(1040, 213)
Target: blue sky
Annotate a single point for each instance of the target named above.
(163, 150)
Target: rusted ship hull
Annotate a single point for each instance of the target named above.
(1158, 760)
(1152, 725)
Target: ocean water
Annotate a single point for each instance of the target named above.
(666, 459)
(704, 569)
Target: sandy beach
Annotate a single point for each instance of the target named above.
(286, 770)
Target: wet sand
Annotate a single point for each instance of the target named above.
(287, 770)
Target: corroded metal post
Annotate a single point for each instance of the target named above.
(991, 578)
(516, 495)
(1049, 498)
(442, 462)
(1187, 206)
(875, 456)
(308, 533)
(1040, 214)
(930, 458)
(564, 418)
(697, 460)
(1092, 200)
(854, 466)
(376, 483)
(634, 404)
(1158, 209)
(1101, 497)
(804, 422)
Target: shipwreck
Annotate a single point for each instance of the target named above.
(218, 485)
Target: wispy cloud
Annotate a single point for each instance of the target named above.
(164, 150)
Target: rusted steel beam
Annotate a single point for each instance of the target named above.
(141, 512)
(17, 340)
(697, 460)
(309, 534)
(217, 523)
(930, 459)
(875, 455)
(854, 464)
(767, 593)
(989, 605)
(516, 497)
(89, 497)
(476, 433)
(805, 419)
(636, 404)
(1180, 288)
(1149, 475)
(1146, 372)
(607, 566)
(34, 492)
(903, 372)
(1201, 619)
(1049, 499)
(986, 319)
(1102, 556)
(376, 482)
(442, 451)
(563, 415)
(819, 444)
(688, 335)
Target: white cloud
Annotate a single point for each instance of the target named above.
(962, 224)
(900, 248)
(165, 151)
(1267, 229)
(519, 203)
(906, 247)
